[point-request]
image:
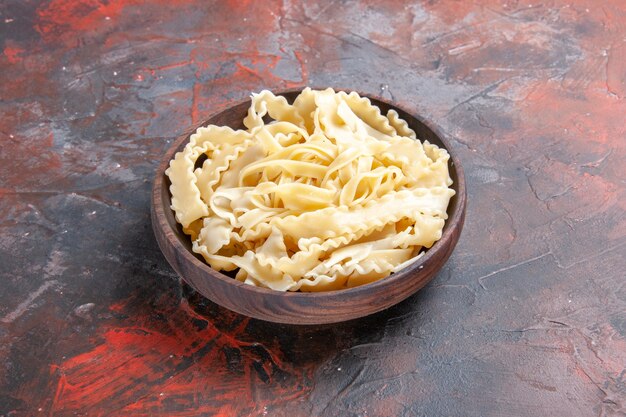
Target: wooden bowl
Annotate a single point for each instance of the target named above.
(302, 307)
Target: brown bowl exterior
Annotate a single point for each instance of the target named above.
(302, 307)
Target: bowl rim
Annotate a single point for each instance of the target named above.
(455, 218)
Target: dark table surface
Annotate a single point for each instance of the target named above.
(528, 317)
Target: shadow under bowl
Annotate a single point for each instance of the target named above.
(302, 307)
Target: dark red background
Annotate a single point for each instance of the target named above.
(528, 316)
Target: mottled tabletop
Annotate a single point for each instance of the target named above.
(527, 318)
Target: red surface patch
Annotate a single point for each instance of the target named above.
(174, 362)
(66, 19)
(13, 54)
(68, 15)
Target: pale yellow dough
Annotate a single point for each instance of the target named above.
(330, 194)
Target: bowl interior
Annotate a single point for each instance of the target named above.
(233, 117)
